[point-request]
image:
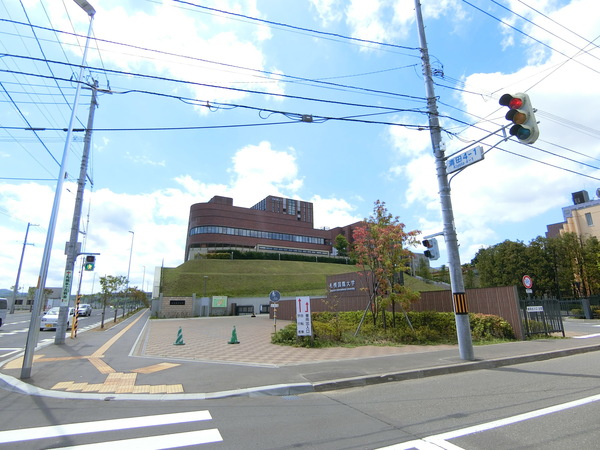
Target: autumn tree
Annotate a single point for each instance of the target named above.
(379, 246)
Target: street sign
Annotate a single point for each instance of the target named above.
(464, 159)
(66, 291)
(303, 319)
(274, 296)
(527, 282)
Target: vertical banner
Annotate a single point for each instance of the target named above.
(303, 320)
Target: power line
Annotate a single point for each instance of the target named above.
(292, 27)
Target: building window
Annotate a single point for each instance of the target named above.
(209, 229)
(589, 220)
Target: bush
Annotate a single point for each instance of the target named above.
(428, 327)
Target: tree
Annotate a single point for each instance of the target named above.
(341, 245)
(111, 286)
(379, 246)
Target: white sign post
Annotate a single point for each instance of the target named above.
(303, 320)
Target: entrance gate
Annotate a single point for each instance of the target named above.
(542, 317)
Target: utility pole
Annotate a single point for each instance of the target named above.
(461, 313)
(33, 333)
(73, 248)
(16, 288)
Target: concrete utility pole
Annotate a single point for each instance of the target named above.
(34, 325)
(461, 313)
(73, 248)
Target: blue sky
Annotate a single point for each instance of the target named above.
(239, 75)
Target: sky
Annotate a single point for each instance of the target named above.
(318, 100)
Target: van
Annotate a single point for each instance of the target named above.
(3, 310)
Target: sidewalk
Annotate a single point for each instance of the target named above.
(152, 359)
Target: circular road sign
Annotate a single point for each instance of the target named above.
(274, 296)
(527, 282)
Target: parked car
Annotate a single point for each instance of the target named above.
(50, 319)
(84, 310)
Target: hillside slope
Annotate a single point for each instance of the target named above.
(256, 278)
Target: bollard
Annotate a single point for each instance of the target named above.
(233, 339)
(179, 340)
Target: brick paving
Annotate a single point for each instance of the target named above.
(207, 339)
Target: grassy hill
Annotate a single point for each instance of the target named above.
(256, 278)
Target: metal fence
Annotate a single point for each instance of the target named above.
(580, 308)
(542, 316)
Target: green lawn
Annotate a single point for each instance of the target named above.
(256, 278)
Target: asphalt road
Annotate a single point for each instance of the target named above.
(552, 404)
(13, 333)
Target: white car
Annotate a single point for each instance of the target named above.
(84, 310)
(50, 319)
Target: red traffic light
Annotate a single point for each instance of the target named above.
(521, 114)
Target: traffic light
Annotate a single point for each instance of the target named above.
(521, 113)
(90, 262)
(432, 252)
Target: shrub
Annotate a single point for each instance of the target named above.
(428, 327)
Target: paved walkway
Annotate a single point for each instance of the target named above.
(207, 339)
(181, 359)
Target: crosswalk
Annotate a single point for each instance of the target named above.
(95, 430)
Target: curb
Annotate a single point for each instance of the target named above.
(449, 369)
(10, 383)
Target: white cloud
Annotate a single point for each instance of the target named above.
(333, 212)
(158, 218)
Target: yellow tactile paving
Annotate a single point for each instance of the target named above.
(119, 378)
(76, 387)
(101, 365)
(155, 368)
(18, 362)
(102, 350)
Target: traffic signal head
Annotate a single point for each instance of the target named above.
(432, 251)
(521, 114)
(90, 262)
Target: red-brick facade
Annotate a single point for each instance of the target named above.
(275, 224)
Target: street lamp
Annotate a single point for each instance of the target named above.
(130, 252)
(34, 326)
(16, 288)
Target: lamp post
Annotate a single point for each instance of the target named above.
(130, 253)
(16, 288)
(34, 325)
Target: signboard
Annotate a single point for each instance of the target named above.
(464, 159)
(527, 282)
(219, 301)
(274, 296)
(535, 309)
(66, 290)
(303, 319)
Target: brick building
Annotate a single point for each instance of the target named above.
(274, 224)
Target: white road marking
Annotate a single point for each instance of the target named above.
(586, 336)
(440, 440)
(165, 441)
(28, 434)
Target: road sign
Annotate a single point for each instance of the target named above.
(464, 159)
(527, 282)
(274, 296)
(303, 319)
